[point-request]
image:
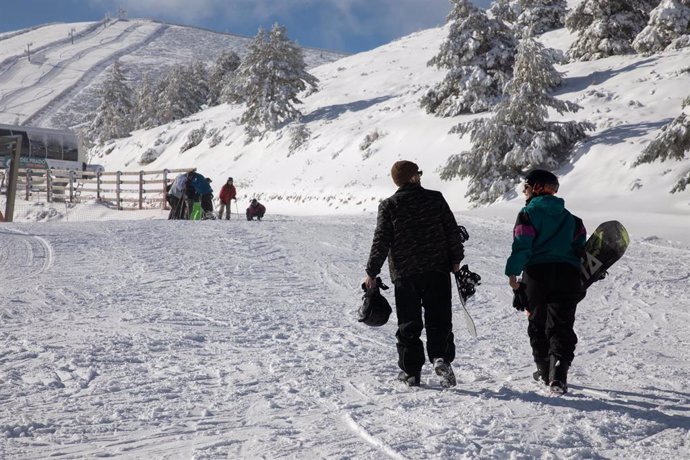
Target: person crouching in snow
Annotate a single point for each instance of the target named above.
(255, 209)
(227, 193)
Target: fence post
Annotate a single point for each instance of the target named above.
(49, 185)
(71, 186)
(28, 183)
(164, 204)
(117, 190)
(98, 186)
(141, 189)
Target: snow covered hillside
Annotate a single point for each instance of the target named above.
(57, 86)
(177, 340)
(367, 115)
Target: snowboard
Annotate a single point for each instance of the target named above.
(603, 248)
(466, 282)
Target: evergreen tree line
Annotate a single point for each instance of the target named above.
(494, 63)
(267, 81)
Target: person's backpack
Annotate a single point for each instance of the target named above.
(375, 309)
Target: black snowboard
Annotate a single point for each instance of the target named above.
(603, 248)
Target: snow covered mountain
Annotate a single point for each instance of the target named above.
(366, 115)
(55, 83)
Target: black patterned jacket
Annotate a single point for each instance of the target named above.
(417, 232)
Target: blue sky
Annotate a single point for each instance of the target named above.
(344, 25)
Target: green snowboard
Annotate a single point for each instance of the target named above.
(603, 248)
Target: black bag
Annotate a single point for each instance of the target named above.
(375, 309)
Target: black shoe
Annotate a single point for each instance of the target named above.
(558, 387)
(409, 380)
(558, 374)
(542, 372)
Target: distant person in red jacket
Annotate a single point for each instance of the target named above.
(227, 193)
(255, 209)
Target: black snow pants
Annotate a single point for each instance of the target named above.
(553, 291)
(431, 292)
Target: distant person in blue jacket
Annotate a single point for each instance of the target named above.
(547, 244)
(201, 187)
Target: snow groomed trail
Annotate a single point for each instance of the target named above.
(216, 339)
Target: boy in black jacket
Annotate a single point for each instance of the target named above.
(417, 232)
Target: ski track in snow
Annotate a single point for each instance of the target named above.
(157, 339)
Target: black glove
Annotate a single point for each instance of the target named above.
(520, 301)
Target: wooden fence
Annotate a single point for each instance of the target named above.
(139, 189)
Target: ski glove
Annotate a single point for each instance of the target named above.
(520, 302)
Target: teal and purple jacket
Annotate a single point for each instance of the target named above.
(545, 232)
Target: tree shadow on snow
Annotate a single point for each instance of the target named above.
(587, 399)
(576, 84)
(334, 111)
(619, 134)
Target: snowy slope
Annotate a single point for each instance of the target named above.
(376, 95)
(206, 340)
(58, 87)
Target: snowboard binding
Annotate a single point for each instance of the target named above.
(467, 282)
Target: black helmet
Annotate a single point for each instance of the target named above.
(375, 309)
(229, 179)
(541, 177)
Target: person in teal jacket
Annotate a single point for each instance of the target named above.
(547, 244)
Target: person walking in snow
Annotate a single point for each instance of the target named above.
(547, 244)
(255, 209)
(227, 193)
(417, 232)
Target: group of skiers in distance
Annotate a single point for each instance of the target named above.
(190, 197)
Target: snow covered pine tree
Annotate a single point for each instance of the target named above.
(221, 75)
(271, 76)
(112, 118)
(541, 15)
(479, 55)
(672, 143)
(606, 27)
(517, 137)
(668, 27)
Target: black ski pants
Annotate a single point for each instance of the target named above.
(430, 292)
(553, 291)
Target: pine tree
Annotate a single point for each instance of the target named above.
(271, 76)
(671, 144)
(221, 74)
(197, 81)
(112, 118)
(541, 15)
(607, 27)
(479, 56)
(669, 25)
(145, 105)
(518, 136)
(183, 91)
(505, 10)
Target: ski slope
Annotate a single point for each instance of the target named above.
(215, 339)
(58, 86)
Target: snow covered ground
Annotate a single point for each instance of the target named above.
(216, 339)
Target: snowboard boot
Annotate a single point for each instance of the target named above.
(443, 370)
(558, 375)
(411, 380)
(542, 372)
